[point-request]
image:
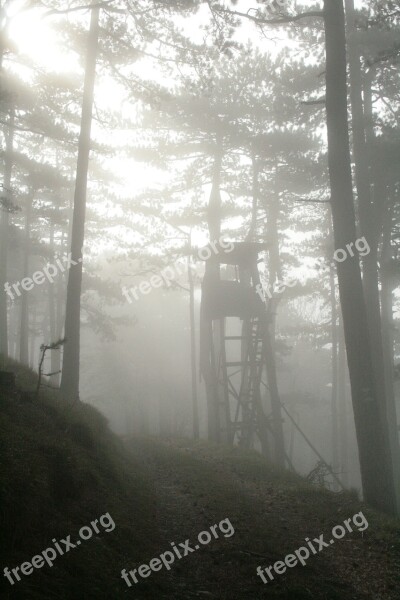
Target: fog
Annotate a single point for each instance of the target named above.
(199, 296)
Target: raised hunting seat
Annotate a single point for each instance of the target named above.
(230, 299)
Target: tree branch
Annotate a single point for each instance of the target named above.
(309, 201)
(56, 11)
(313, 102)
(277, 21)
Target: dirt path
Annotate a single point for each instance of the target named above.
(197, 487)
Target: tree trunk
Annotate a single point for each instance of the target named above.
(59, 315)
(4, 235)
(371, 214)
(211, 330)
(334, 391)
(251, 235)
(70, 370)
(4, 29)
(342, 408)
(275, 273)
(214, 204)
(270, 361)
(24, 323)
(196, 432)
(374, 451)
(387, 289)
(55, 330)
(32, 344)
(388, 325)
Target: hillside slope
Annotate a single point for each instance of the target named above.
(198, 485)
(62, 469)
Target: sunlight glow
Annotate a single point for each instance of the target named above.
(34, 36)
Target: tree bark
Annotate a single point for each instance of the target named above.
(71, 359)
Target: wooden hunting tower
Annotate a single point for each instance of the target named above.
(234, 335)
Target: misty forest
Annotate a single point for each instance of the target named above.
(200, 299)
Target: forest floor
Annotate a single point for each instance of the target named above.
(198, 485)
(61, 467)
